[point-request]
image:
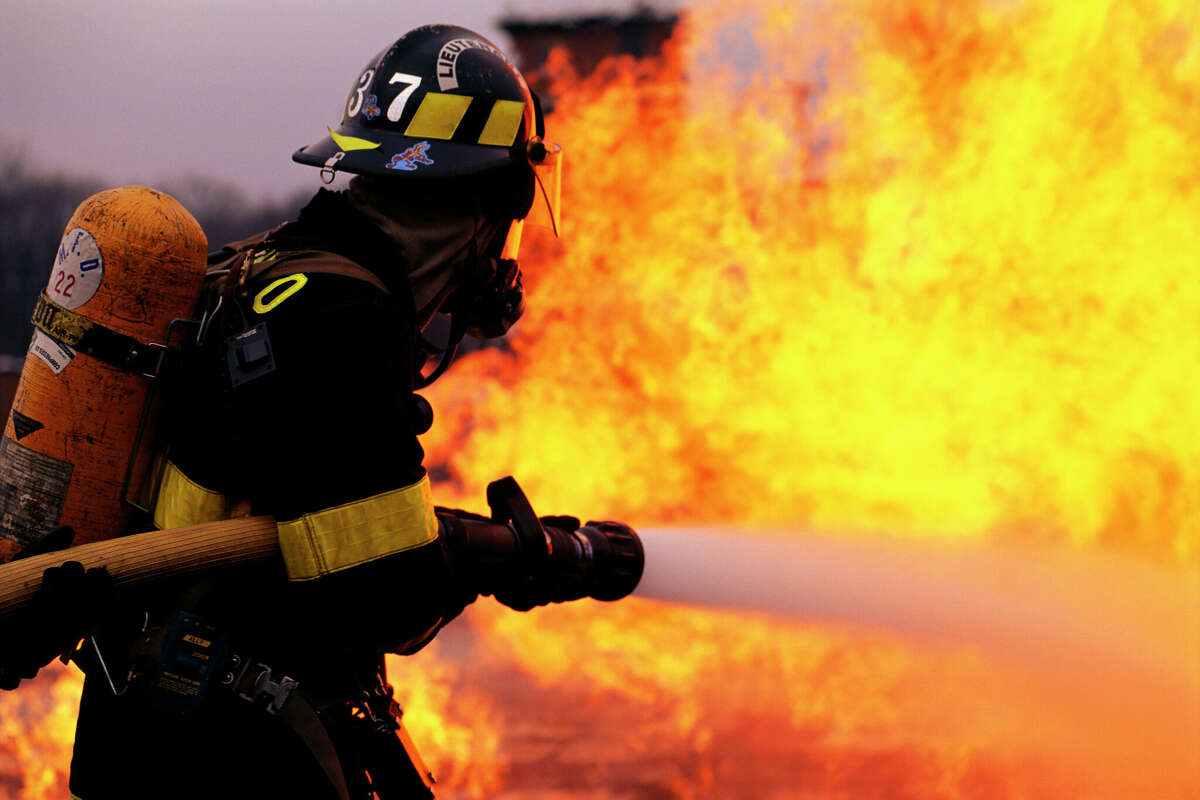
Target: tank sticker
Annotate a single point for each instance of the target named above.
(447, 60)
(78, 270)
(56, 354)
(24, 425)
(410, 158)
(33, 488)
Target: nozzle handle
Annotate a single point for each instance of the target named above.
(510, 505)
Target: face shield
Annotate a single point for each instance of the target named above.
(546, 211)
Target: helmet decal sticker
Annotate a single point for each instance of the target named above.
(355, 103)
(371, 107)
(396, 107)
(410, 158)
(447, 60)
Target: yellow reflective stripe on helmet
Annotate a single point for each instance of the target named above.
(438, 116)
(182, 501)
(344, 536)
(297, 282)
(349, 143)
(503, 123)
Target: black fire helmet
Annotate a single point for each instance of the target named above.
(442, 102)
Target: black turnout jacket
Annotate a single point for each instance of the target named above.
(329, 425)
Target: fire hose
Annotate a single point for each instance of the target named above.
(511, 554)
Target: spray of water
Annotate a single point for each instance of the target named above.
(1110, 641)
(1037, 604)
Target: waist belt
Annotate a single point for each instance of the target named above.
(156, 653)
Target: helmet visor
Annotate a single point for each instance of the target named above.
(546, 211)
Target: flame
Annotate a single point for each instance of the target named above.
(923, 267)
(452, 722)
(37, 727)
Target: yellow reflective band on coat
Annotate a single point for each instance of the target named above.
(503, 123)
(438, 116)
(182, 501)
(344, 536)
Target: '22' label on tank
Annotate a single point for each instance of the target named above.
(78, 270)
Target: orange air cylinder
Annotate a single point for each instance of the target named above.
(131, 260)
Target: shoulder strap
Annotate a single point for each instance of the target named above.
(311, 261)
(252, 258)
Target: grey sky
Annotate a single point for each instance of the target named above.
(140, 91)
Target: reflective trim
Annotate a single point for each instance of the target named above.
(438, 116)
(297, 282)
(350, 143)
(182, 501)
(503, 123)
(344, 536)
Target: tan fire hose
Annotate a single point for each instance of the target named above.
(148, 557)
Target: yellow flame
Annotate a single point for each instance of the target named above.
(37, 727)
(925, 267)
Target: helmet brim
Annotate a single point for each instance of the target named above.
(384, 154)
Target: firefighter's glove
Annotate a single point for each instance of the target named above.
(550, 576)
(68, 603)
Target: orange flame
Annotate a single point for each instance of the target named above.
(924, 267)
(37, 726)
(919, 267)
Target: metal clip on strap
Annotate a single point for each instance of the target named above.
(327, 173)
(275, 693)
(253, 683)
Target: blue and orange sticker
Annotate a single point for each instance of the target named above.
(411, 158)
(371, 107)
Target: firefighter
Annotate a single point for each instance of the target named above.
(298, 402)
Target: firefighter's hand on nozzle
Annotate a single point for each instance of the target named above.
(67, 604)
(602, 560)
(524, 560)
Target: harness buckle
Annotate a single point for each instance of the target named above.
(160, 356)
(276, 693)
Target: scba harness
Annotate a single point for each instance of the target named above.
(356, 738)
